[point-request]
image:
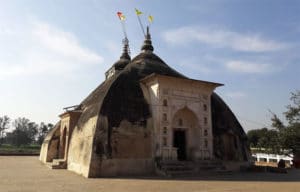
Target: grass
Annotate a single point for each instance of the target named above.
(23, 149)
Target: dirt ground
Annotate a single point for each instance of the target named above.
(27, 174)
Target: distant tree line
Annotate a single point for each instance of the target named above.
(264, 139)
(282, 136)
(24, 131)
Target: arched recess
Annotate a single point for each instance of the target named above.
(62, 149)
(230, 146)
(185, 133)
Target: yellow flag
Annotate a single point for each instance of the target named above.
(138, 12)
(150, 18)
(122, 17)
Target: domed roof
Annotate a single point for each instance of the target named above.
(120, 97)
(147, 62)
(122, 62)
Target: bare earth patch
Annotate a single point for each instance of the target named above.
(27, 174)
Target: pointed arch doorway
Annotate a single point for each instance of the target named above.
(184, 126)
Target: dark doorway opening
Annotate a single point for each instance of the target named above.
(179, 141)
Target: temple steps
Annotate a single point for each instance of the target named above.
(173, 168)
(57, 164)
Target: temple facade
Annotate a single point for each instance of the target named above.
(147, 118)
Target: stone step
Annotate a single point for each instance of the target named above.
(208, 165)
(190, 168)
(177, 168)
(179, 165)
(57, 164)
(181, 173)
(175, 162)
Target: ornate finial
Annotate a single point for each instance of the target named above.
(126, 50)
(147, 46)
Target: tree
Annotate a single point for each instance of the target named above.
(293, 112)
(253, 137)
(264, 138)
(24, 133)
(17, 137)
(42, 131)
(4, 124)
(289, 135)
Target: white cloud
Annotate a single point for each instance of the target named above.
(43, 49)
(222, 39)
(63, 43)
(248, 67)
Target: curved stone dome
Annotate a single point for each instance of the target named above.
(115, 132)
(121, 98)
(147, 63)
(121, 63)
(125, 99)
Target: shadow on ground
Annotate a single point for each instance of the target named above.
(292, 175)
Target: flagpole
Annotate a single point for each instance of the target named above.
(124, 28)
(141, 25)
(138, 13)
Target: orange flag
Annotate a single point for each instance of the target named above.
(121, 16)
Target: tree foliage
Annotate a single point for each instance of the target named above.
(290, 133)
(282, 137)
(42, 131)
(293, 112)
(264, 138)
(4, 125)
(24, 131)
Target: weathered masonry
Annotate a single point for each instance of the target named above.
(146, 118)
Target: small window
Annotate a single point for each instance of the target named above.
(204, 107)
(180, 122)
(165, 102)
(262, 160)
(205, 120)
(165, 117)
(273, 160)
(205, 132)
(165, 130)
(205, 143)
(165, 141)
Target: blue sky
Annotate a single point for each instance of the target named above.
(54, 53)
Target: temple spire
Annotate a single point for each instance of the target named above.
(147, 46)
(126, 51)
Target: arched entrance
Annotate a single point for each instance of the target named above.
(62, 148)
(185, 132)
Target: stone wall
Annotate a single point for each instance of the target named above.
(175, 99)
(131, 150)
(81, 146)
(49, 146)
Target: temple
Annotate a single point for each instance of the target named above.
(146, 118)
